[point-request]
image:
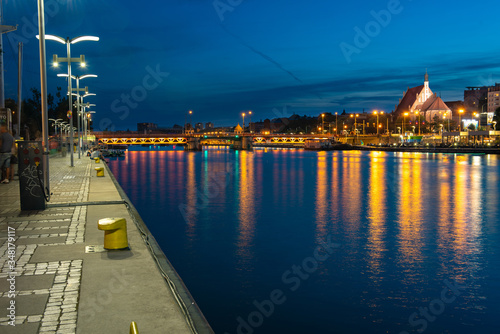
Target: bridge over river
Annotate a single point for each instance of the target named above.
(193, 141)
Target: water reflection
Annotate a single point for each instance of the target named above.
(377, 196)
(247, 209)
(405, 221)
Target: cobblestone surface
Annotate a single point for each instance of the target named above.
(68, 185)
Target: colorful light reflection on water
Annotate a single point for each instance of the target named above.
(239, 226)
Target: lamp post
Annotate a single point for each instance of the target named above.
(418, 120)
(88, 119)
(336, 122)
(355, 126)
(56, 124)
(78, 104)
(43, 93)
(322, 123)
(243, 115)
(87, 105)
(460, 120)
(250, 122)
(84, 106)
(404, 121)
(70, 60)
(378, 113)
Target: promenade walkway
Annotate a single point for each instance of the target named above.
(62, 284)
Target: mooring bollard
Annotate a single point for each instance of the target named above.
(97, 160)
(133, 328)
(100, 171)
(115, 232)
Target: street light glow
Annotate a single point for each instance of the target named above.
(84, 38)
(53, 38)
(88, 76)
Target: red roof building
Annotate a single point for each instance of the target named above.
(421, 100)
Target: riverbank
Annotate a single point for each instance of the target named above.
(426, 149)
(66, 283)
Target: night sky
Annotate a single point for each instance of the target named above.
(275, 58)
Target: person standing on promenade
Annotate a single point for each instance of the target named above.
(13, 160)
(7, 141)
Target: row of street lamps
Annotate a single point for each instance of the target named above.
(82, 115)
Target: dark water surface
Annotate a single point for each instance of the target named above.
(291, 241)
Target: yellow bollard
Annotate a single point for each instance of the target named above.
(97, 160)
(100, 171)
(133, 328)
(115, 232)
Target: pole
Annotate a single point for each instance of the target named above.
(2, 93)
(78, 115)
(70, 102)
(420, 122)
(19, 86)
(43, 91)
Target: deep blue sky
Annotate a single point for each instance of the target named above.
(272, 57)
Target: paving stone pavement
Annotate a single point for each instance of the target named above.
(58, 287)
(33, 229)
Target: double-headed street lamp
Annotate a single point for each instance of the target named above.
(56, 124)
(87, 121)
(83, 107)
(70, 60)
(378, 113)
(78, 103)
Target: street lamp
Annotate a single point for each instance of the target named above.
(404, 121)
(460, 112)
(336, 121)
(322, 123)
(250, 123)
(355, 125)
(378, 113)
(88, 119)
(84, 106)
(243, 115)
(56, 124)
(79, 102)
(418, 115)
(70, 60)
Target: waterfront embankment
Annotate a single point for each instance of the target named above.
(63, 280)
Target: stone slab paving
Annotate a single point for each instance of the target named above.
(53, 283)
(46, 293)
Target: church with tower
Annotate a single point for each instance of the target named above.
(421, 100)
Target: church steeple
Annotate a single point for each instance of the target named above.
(427, 91)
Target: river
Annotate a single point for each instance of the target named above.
(294, 241)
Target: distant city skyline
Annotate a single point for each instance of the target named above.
(157, 61)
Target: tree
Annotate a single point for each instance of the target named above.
(496, 117)
(31, 113)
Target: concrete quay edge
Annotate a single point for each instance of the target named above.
(194, 316)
